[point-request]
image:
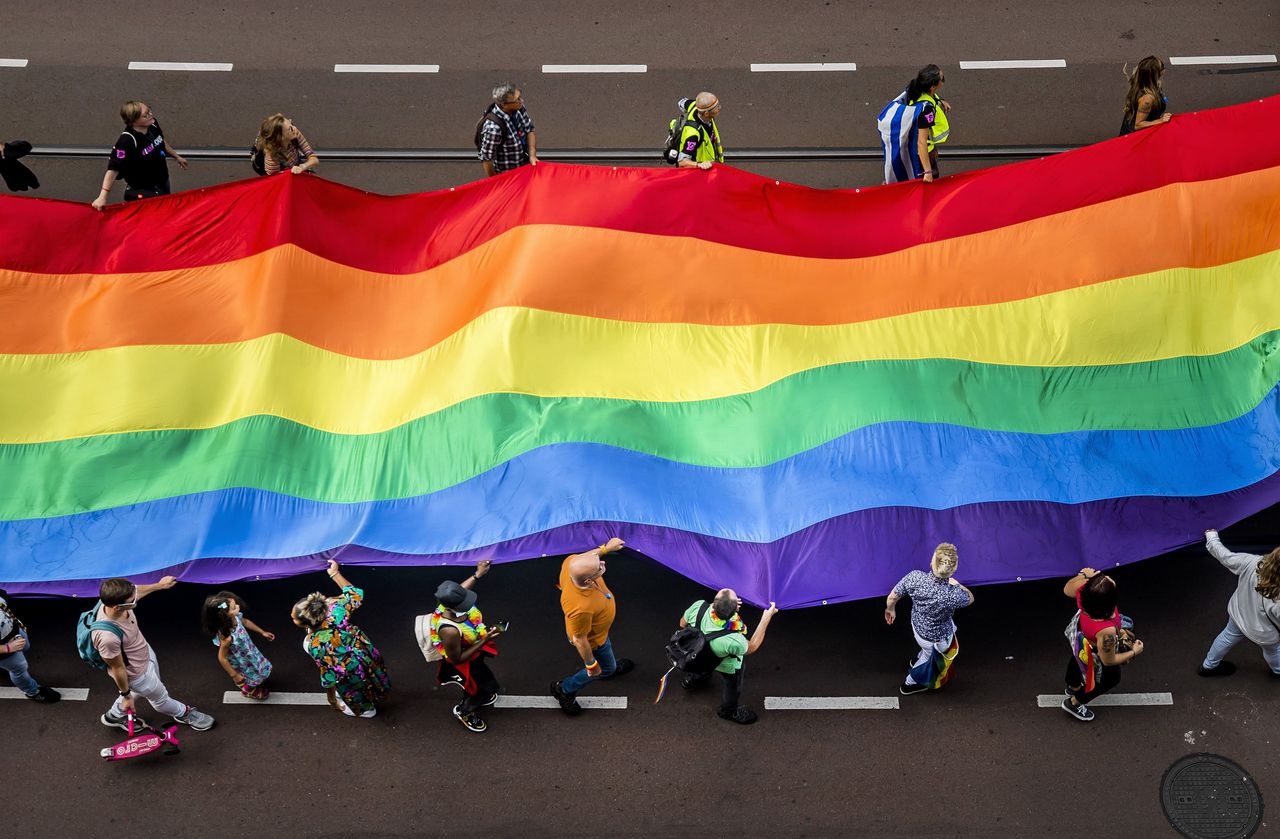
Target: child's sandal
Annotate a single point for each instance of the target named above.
(259, 692)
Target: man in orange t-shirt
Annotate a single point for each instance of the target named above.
(589, 609)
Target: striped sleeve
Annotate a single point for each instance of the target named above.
(304, 148)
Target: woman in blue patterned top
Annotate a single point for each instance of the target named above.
(934, 598)
(351, 668)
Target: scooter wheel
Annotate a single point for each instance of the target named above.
(105, 754)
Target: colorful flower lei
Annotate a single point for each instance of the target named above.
(473, 628)
(736, 623)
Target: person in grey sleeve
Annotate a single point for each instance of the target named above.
(1252, 612)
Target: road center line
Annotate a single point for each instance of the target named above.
(185, 66)
(13, 62)
(595, 68)
(386, 68)
(819, 67)
(69, 694)
(235, 697)
(1222, 59)
(831, 703)
(1053, 700)
(1014, 64)
(610, 703)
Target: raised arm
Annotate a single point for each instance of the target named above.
(159, 585)
(1236, 563)
(1073, 585)
(757, 637)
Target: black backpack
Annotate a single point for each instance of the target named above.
(671, 151)
(689, 649)
(257, 159)
(490, 116)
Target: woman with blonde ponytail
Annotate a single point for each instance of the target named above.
(351, 668)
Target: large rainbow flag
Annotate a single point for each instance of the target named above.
(789, 391)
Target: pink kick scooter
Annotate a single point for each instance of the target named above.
(145, 741)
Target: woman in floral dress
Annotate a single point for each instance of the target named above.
(351, 668)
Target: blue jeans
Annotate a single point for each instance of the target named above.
(16, 665)
(579, 680)
(1228, 638)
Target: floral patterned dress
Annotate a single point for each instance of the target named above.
(349, 663)
(245, 657)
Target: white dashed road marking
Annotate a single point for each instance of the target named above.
(234, 697)
(611, 703)
(831, 703)
(1053, 700)
(69, 694)
(1016, 64)
(185, 66)
(1222, 59)
(595, 68)
(386, 68)
(13, 62)
(833, 67)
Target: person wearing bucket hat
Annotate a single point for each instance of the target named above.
(462, 640)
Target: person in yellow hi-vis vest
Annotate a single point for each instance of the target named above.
(933, 126)
(700, 144)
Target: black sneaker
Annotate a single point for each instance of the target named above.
(568, 701)
(622, 667)
(1080, 712)
(740, 715)
(1224, 668)
(693, 680)
(471, 721)
(488, 703)
(45, 695)
(907, 690)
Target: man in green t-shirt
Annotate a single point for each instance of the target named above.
(730, 649)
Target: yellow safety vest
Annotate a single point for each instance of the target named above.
(941, 128)
(709, 147)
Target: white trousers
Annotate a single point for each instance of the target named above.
(150, 688)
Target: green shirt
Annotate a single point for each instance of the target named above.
(731, 648)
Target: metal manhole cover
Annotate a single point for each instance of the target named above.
(1206, 796)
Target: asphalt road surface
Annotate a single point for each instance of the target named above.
(74, 60)
(977, 758)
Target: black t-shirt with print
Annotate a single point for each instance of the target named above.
(926, 118)
(139, 158)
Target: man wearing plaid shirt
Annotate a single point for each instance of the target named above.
(506, 137)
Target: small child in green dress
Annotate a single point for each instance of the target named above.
(224, 621)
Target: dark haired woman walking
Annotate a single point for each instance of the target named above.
(1145, 105)
(1099, 645)
(912, 126)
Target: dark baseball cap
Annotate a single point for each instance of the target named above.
(453, 596)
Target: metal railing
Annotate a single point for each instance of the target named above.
(584, 155)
